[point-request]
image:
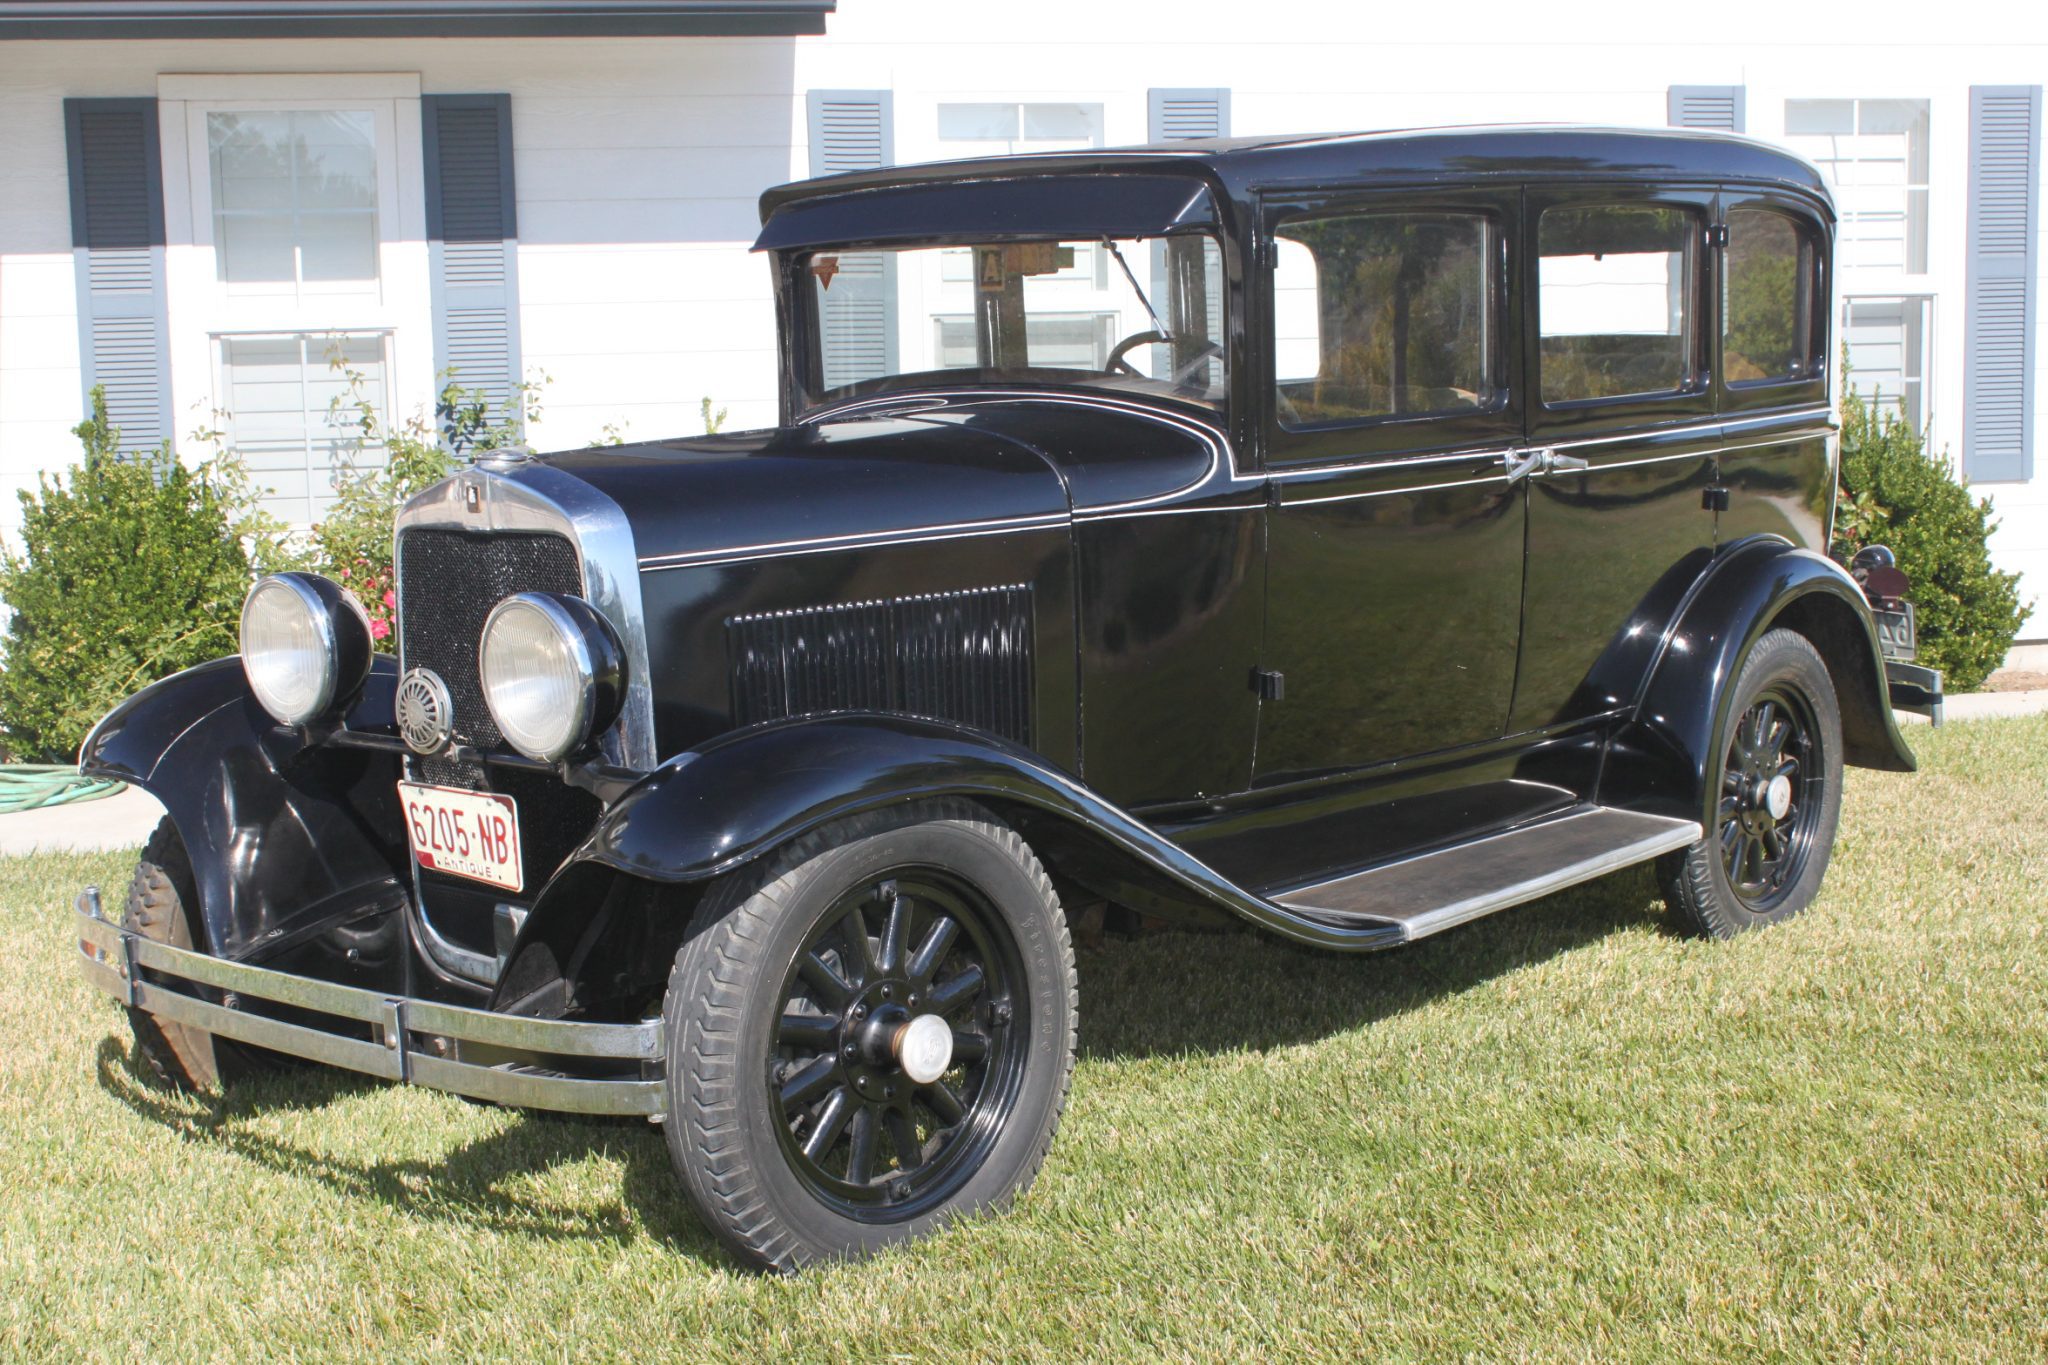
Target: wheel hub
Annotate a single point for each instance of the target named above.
(1777, 798)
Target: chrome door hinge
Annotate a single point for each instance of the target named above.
(1714, 499)
(1269, 684)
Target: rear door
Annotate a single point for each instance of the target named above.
(1621, 410)
(1394, 564)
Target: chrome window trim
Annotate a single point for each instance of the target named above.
(530, 496)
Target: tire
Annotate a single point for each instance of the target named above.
(162, 897)
(797, 1119)
(1777, 784)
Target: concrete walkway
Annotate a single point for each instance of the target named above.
(125, 821)
(121, 821)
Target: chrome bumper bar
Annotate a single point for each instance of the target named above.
(113, 959)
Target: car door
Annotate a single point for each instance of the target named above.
(1395, 523)
(1621, 417)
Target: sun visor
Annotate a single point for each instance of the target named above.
(1046, 206)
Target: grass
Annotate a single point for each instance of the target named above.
(1563, 1132)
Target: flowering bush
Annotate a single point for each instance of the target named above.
(373, 586)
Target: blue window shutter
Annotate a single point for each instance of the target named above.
(1175, 115)
(1999, 282)
(853, 130)
(117, 238)
(472, 243)
(1707, 106)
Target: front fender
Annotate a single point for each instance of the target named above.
(1663, 759)
(713, 809)
(287, 840)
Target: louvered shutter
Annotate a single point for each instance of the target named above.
(1707, 106)
(1998, 360)
(117, 238)
(851, 130)
(472, 243)
(1176, 115)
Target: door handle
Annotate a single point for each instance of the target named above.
(1554, 463)
(1520, 464)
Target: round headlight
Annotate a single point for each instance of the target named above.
(305, 645)
(551, 671)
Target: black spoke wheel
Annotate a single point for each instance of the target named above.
(1776, 800)
(862, 1132)
(868, 1032)
(1767, 812)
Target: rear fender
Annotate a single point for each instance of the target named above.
(1663, 757)
(296, 848)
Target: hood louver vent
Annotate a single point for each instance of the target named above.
(961, 656)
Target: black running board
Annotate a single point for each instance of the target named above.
(1400, 902)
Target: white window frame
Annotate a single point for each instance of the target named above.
(309, 339)
(1929, 343)
(204, 310)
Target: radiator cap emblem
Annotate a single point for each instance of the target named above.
(425, 711)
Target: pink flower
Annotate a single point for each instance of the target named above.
(379, 630)
(344, 573)
(390, 599)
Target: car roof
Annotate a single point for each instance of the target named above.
(1241, 166)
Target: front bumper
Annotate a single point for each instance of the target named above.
(419, 1042)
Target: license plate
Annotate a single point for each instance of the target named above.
(463, 833)
(1896, 637)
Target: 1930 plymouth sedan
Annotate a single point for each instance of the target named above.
(1349, 536)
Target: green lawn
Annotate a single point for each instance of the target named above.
(1560, 1133)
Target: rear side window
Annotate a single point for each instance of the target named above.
(1385, 315)
(1615, 300)
(1767, 307)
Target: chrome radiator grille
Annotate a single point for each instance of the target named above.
(448, 583)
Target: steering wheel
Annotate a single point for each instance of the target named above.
(1116, 362)
(1184, 373)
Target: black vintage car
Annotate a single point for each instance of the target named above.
(1348, 536)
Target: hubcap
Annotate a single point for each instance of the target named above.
(1769, 788)
(896, 1062)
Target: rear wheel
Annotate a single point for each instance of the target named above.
(1778, 796)
(869, 1034)
(163, 902)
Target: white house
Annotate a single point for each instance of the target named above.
(203, 202)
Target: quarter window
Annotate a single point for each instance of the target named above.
(1615, 291)
(1767, 313)
(1385, 315)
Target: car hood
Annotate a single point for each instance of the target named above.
(840, 480)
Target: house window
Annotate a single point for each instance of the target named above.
(307, 273)
(296, 409)
(1874, 155)
(1889, 341)
(1065, 341)
(294, 199)
(995, 129)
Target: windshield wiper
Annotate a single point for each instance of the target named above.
(1157, 325)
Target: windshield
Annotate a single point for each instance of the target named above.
(1133, 315)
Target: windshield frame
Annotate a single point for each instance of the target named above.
(803, 363)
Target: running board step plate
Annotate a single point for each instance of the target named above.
(1427, 894)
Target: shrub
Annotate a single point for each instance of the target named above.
(129, 570)
(1894, 492)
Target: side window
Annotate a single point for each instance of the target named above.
(1615, 300)
(1385, 315)
(1767, 314)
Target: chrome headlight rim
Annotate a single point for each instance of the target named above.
(342, 632)
(599, 662)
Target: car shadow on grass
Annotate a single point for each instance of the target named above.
(1181, 993)
(469, 1184)
(1166, 994)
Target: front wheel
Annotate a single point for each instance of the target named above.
(869, 1033)
(1778, 796)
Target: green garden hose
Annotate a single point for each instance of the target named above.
(32, 786)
